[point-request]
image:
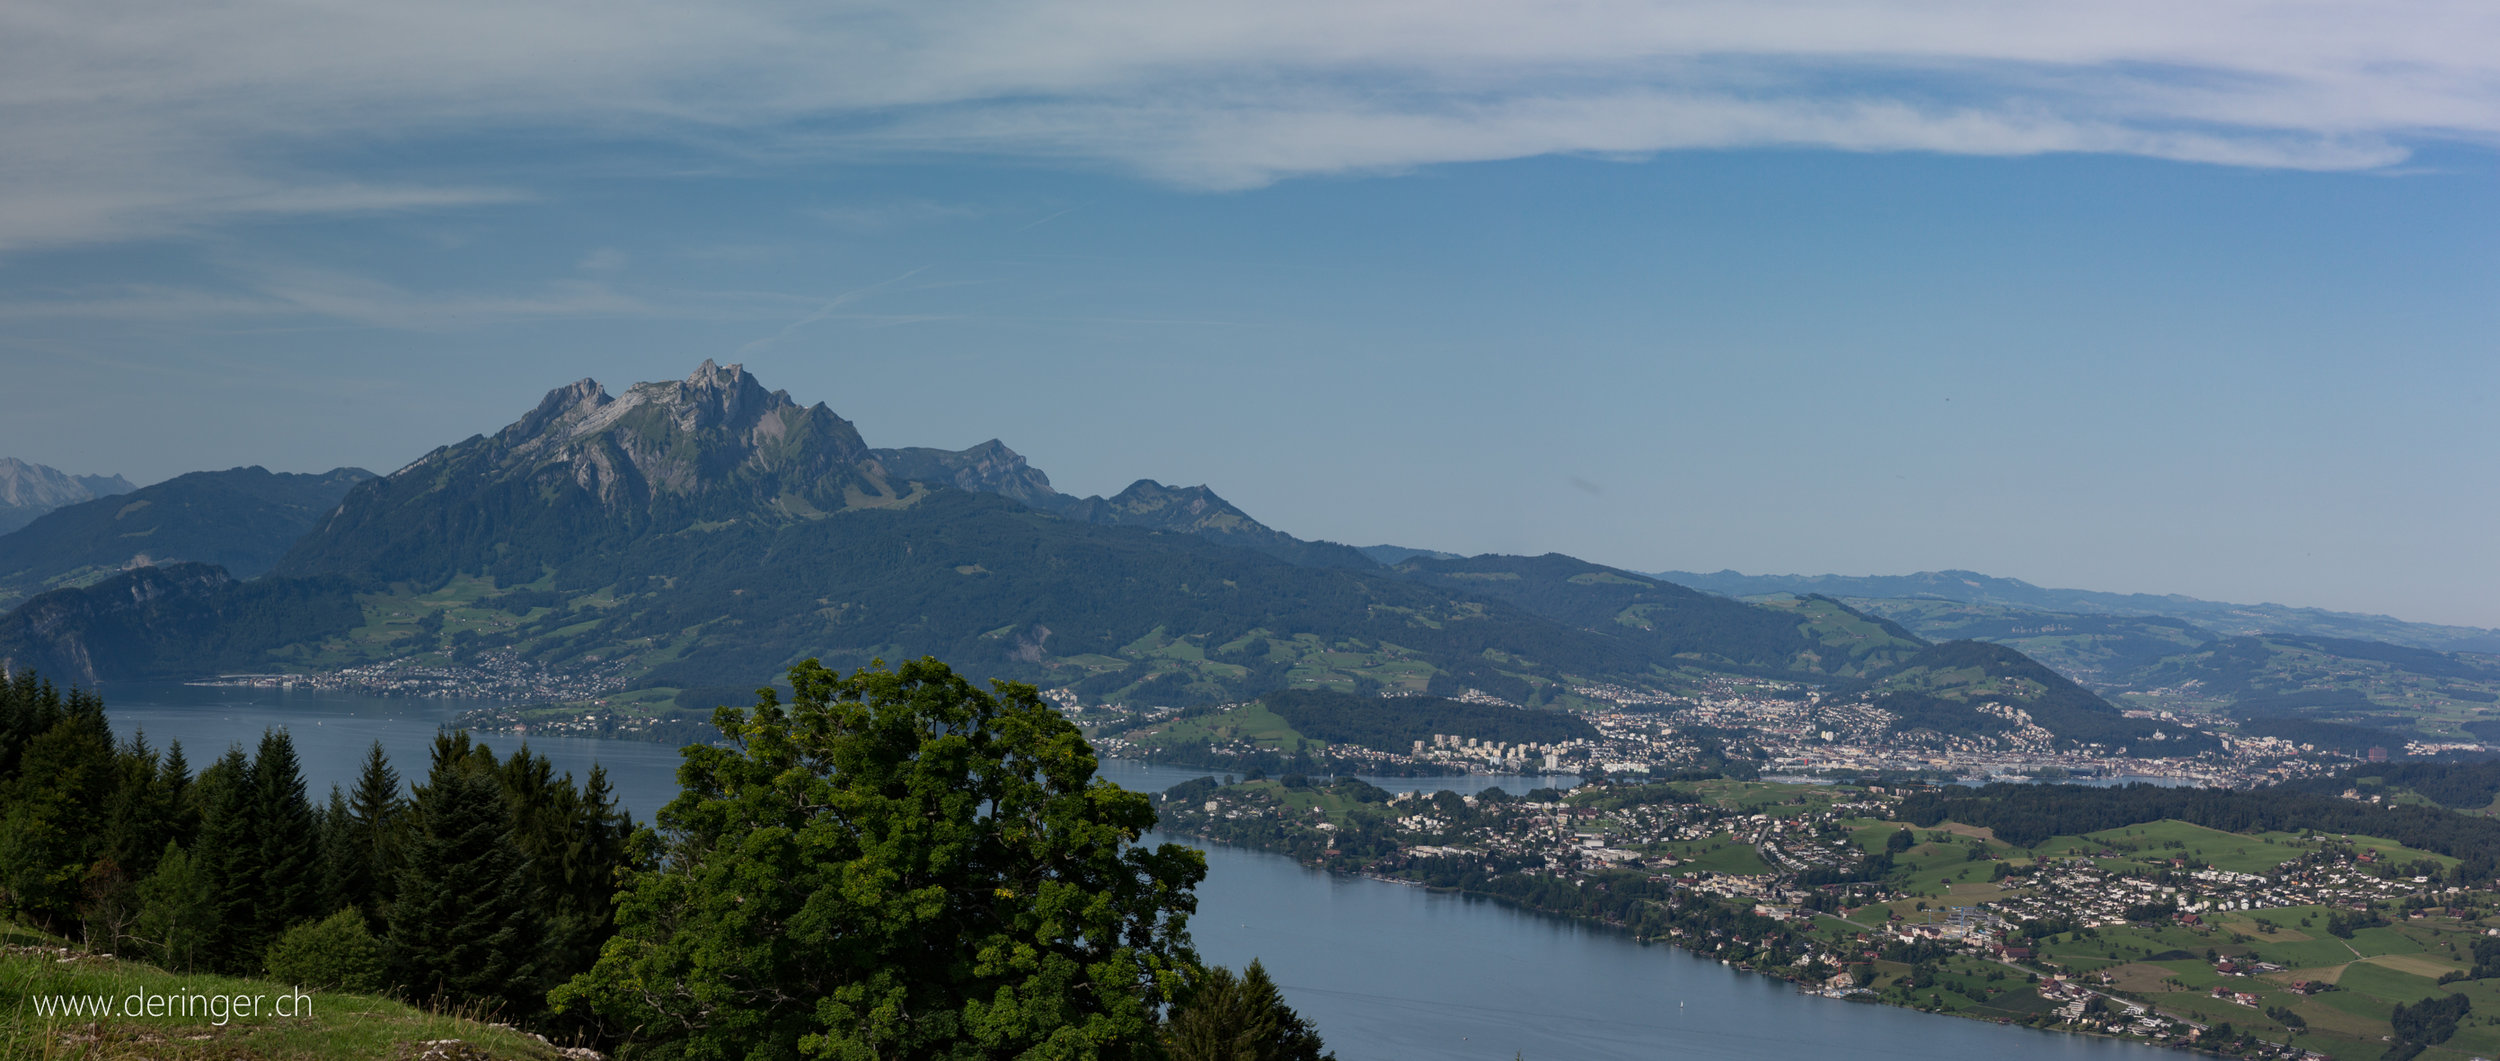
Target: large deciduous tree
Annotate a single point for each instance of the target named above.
(896, 865)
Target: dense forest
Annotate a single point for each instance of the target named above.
(173, 621)
(482, 886)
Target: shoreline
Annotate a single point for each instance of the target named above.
(1858, 996)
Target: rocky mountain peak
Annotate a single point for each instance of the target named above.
(29, 490)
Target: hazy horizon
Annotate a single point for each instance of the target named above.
(2105, 299)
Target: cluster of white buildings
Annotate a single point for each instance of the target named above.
(1499, 755)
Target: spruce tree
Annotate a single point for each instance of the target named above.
(594, 857)
(228, 861)
(289, 839)
(29, 706)
(1240, 1018)
(462, 930)
(375, 812)
(140, 817)
(338, 854)
(178, 917)
(49, 813)
(180, 802)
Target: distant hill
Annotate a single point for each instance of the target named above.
(242, 520)
(1809, 636)
(2274, 679)
(2097, 649)
(171, 622)
(30, 490)
(703, 534)
(1392, 555)
(2223, 619)
(1942, 686)
(2324, 678)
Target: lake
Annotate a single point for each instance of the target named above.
(1387, 972)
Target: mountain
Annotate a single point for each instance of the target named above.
(585, 472)
(30, 490)
(1675, 625)
(2334, 679)
(2223, 619)
(992, 468)
(175, 621)
(696, 537)
(2097, 649)
(242, 519)
(1946, 688)
(1392, 555)
(2266, 681)
(1197, 510)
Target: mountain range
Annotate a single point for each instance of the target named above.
(695, 537)
(2306, 674)
(30, 490)
(242, 520)
(2221, 618)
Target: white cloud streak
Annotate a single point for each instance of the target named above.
(134, 118)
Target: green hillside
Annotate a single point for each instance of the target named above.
(2091, 648)
(242, 519)
(1939, 689)
(37, 975)
(2332, 692)
(1795, 636)
(2454, 695)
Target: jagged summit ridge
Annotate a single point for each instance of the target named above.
(682, 456)
(30, 490)
(687, 436)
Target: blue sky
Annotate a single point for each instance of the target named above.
(2123, 299)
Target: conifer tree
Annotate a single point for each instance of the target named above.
(375, 812)
(289, 840)
(139, 819)
(593, 858)
(178, 917)
(338, 855)
(29, 706)
(174, 777)
(48, 830)
(462, 930)
(1240, 1018)
(227, 861)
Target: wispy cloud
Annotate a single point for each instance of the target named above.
(265, 294)
(123, 118)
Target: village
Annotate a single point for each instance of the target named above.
(2164, 931)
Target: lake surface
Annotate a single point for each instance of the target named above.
(1387, 972)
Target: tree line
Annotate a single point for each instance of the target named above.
(895, 864)
(483, 886)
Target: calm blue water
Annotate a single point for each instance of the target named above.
(1387, 972)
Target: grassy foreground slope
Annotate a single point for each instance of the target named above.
(35, 972)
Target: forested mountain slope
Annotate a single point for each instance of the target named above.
(242, 519)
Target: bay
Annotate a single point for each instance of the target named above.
(1387, 972)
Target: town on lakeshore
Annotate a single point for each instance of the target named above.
(1780, 729)
(2265, 943)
